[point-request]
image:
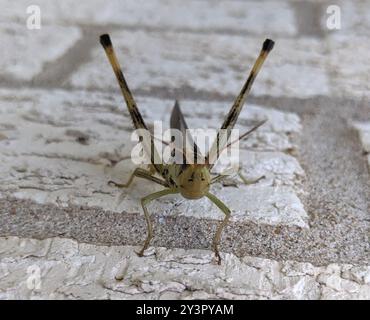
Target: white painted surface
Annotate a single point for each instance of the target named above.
(64, 269)
(26, 51)
(252, 16)
(209, 62)
(364, 133)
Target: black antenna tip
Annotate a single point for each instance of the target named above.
(268, 45)
(105, 40)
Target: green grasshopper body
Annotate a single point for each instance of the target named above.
(192, 181)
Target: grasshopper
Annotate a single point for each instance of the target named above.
(192, 181)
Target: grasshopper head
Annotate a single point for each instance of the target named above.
(194, 181)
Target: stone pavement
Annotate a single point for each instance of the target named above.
(300, 233)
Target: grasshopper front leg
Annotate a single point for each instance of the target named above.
(141, 173)
(248, 182)
(217, 237)
(144, 201)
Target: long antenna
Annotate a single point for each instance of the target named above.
(244, 135)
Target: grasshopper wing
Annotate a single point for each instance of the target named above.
(177, 121)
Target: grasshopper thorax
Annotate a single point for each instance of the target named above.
(194, 181)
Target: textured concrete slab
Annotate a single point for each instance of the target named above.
(354, 18)
(59, 144)
(47, 44)
(64, 269)
(208, 62)
(350, 70)
(62, 148)
(364, 133)
(236, 16)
